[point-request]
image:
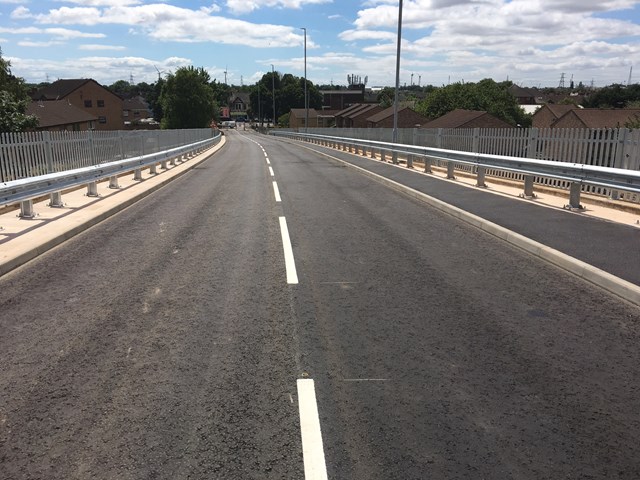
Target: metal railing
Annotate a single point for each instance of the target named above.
(24, 190)
(575, 174)
(29, 154)
(603, 147)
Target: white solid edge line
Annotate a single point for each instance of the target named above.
(271, 172)
(276, 192)
(315, 467)
(289, 261)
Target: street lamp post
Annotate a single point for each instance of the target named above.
(395, 101)
(273, 93)
(306, 100)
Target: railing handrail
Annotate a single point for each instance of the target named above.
(608, 177)
(16, 191)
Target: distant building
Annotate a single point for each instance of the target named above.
(356, 115)
(239, 104)
(548, 114)
(322, 119)
(88, 95)
(407, 118)
(59, 115)
(135, 109)
(341, 99)
(597, 118)
(461, 118)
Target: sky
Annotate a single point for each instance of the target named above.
(533, 43)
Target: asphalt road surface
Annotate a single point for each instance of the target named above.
(172, 340)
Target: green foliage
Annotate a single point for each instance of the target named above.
(486, 95)
(187, 99)
(283, 120)
(614, 96)
(14, 101)
(386, 97)
(289, 92)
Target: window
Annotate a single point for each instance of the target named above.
(125, 113)
(100, 103)
(102, 119)
(88, 104)
(239, 106)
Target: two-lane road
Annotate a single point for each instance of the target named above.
(167, 342)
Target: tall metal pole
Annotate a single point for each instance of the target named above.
(273, 93)
(306, 100)
(395, 100)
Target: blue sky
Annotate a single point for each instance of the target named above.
(531, 42)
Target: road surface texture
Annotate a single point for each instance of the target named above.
(166, 342)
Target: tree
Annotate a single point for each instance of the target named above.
(187, 99)
(14, 101)
(289, 91)
(614, 96)
(486, 95)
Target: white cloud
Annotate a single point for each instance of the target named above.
(98, 47)
(240, 7)
(170, 23)
(59, 33)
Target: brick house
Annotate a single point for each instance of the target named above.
(57, 115)
(356, 116)
(135, 109)
(461, 118)
(548, 114)
(407, 118)
(597, 118)
(88, 95)
(239, 103)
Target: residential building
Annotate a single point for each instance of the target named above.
(239, 103)
(356, 115)
(88, 95)
(461, 118)
(135, 109)
(61, 115)
(407, 118)
(597, 118)
(548, 114)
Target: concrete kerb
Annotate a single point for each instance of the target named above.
(167, 176)
(622, 288)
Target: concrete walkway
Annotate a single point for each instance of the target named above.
(22, 239)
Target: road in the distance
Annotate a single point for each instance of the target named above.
(166, 342)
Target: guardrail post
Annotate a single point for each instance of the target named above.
(394, 157)
(528, 187)
(153, 169)
(26, 209)
(409, 160)
(163, 165)
(137, 174)
(481, 173)
(373, 152)
(382, 155)
(428, 162)
(92, 189)
(55, 200)
(574, 197)
(113, 182)
(451, 170)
